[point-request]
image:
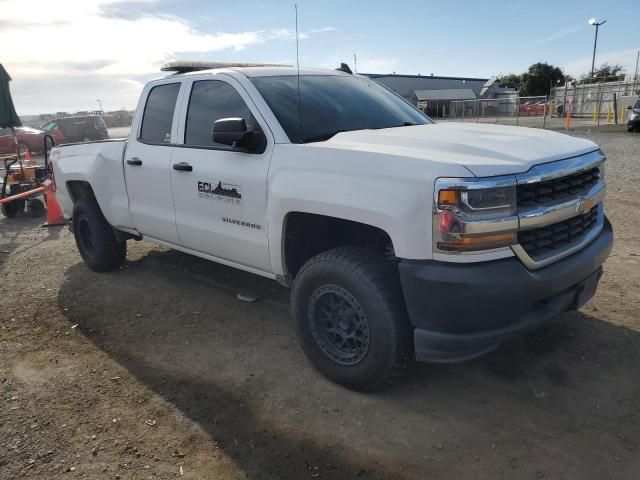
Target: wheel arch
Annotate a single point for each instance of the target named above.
(80, 189)
(306, 234)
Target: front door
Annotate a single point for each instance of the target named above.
(220, 193)
(147, 165)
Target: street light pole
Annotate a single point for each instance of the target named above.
(596, 24)
(99, 104)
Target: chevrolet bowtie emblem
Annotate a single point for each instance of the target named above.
(584, 206)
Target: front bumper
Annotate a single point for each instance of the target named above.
(635, 123)
(462, 310)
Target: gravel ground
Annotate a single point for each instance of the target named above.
(158, 371)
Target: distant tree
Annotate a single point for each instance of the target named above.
(511, 80)
(604, 73)
(539, 78)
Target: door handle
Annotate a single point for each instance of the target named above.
(135, 161)
(182, 167)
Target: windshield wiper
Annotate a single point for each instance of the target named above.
(404, 124)
(323, 137)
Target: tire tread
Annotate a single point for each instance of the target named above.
(379, 276)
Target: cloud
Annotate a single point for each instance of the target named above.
(626, 58)
(290, 33)
(121, 46)
(96, 38)
(554, 37)
(71, 93)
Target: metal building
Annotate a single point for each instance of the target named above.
(431, 93)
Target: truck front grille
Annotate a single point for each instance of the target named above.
(557, 236)
(556, 190)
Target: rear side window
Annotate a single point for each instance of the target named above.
(158, 113)
(212, 100)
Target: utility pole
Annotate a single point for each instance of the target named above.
(596, 24)
(635, 75)
(99, 104)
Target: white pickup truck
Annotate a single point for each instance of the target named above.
(400, 238)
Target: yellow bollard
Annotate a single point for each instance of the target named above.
(609, 114)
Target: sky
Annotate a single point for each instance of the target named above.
(65, 55)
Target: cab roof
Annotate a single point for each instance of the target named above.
(246, 69)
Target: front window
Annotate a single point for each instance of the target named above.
(331, 104)
(213, 100)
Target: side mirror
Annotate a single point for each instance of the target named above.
(629, 107)
(232, 131)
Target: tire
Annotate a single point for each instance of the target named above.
(10, 209)
(35, 208)
(95, 238)
(350, 318)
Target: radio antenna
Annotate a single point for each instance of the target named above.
(298, 68)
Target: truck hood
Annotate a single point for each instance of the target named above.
(485, 150)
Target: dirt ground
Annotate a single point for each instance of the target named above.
(158, 371)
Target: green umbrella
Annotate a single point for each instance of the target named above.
(8, 119)
(8, 116)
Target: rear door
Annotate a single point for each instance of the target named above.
(221, 201)
(147, 162)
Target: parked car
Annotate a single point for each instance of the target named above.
(399, 237)
(84, 128)
(533, 107)
(633, 120)
(29, 139)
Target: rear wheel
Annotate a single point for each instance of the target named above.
(11, 209)
(95, 238)
(350, 318)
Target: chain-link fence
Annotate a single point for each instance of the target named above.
(601, 102)
(509, 110)
(594, 106)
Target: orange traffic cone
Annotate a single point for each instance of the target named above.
(27, 156)
(55, 216)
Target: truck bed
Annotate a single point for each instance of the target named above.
(84, 162)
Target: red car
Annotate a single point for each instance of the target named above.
(533, 107)
(28, 139)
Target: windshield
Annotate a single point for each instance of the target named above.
(331, 104)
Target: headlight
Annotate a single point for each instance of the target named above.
(474, 215)
(634, 115)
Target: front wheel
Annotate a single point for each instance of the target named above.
(350, 318)
(35, 208)
(96, 240)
